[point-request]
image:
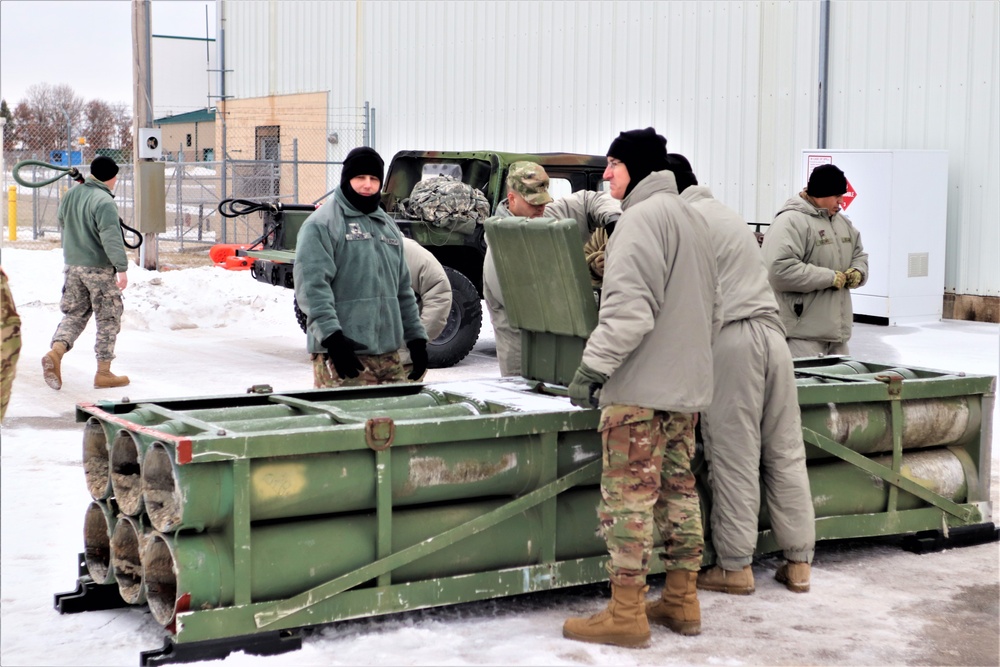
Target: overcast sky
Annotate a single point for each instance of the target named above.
(87, 45)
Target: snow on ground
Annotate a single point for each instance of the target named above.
(206, 331)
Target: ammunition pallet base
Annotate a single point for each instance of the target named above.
(931, 541)
(267, 643)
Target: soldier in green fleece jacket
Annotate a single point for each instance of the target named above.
(352, 282)
(96, 264)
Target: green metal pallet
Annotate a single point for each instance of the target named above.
(247, 519)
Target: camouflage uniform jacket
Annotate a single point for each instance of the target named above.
(91, 234)
(350, 275)
(661, 306)
(802, 249)
(746, 294)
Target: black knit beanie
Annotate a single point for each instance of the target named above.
(103, 168)
(642, 151)
(826, 180)
(362, 161)
(679, 164)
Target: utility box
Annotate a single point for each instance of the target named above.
(150, 140)
(898, 200)
(150, 198)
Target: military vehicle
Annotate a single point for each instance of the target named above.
(460, 249)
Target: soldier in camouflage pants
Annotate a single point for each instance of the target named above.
(96, 273)
(10, 347)
(647, 466)
(379, 369)
(647, 365)
(90, 290)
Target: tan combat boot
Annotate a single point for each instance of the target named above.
(52, 365)
(105, 378)
(623, 623)
(795, 576)
(734, 582)
(678, 608)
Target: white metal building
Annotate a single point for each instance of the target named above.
(735, 86)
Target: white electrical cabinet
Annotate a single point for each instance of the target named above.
(898, 200)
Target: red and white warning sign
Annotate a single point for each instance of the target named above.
(849, 195)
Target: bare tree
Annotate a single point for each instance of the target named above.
(45, 119)
(54, 117)
(27, 134)
(99, 125)
(123, 125)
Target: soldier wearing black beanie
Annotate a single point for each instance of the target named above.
(362, 161)
(642, 151)
(648, 366)
(683, 174)
(103, 168)
(353, 284)
(826, 180)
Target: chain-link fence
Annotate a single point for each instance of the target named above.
(294, 159)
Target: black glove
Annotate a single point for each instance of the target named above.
(342, 352)
(418, 355)
(585, 386)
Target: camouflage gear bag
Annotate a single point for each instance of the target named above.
(448, 203)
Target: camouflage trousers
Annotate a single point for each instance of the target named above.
(379, 369)
(10, 345)
(647, 479)
(91, 290)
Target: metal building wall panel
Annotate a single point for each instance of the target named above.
(281, 48)
(733, 85)
(980, 191)
(923, 75)
(789, 66)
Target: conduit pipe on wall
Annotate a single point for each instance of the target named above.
(824, 61)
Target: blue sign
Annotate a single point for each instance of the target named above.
(58, 158)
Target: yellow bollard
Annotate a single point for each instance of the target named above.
(12, 213)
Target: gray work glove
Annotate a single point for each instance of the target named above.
(583, 390)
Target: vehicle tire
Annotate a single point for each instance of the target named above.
(300, 317)
(464, 321)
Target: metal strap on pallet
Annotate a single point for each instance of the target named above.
(892, 477)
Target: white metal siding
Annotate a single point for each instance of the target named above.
(732, 85)
(924, 75)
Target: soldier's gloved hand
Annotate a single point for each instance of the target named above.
(418, 355)
(854, 278)
(585, 385)
(342, 352)
(839, 278)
